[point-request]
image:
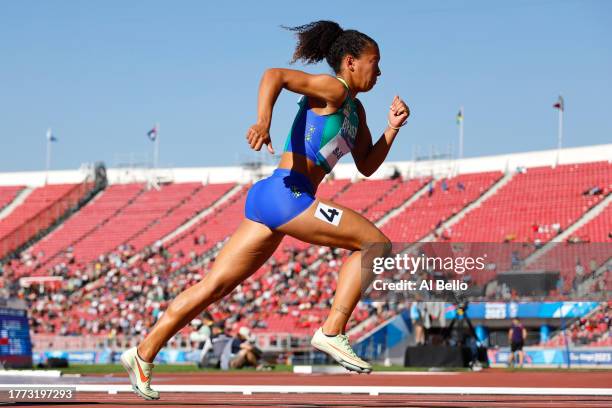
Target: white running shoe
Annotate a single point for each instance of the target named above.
(140, 373)
(340, 349)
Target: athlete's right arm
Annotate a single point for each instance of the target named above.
(274, 80)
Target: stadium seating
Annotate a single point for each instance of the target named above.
(40, 210)
(84, 223)
(213, 228)
(395, 198)
(362, 195)
(445, 198)
(186, 208)
(291, 293)
(594, 330)
(8, 194)
(535, 204)
(37, 202)
(590, 244)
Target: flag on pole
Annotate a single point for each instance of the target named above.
(560, 104)
(50, 136)
(152, 134)
(460, 116)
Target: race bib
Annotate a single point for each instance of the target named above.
(328, 214)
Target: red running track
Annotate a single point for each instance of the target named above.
(485, 378)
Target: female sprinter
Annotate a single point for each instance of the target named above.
(330, 123)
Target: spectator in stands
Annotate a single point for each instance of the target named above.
(203, 336)
(417, 323)
(592, 266)
(200, 239)
(244, 351)
(460, 186)
(537, 243)
(516, 337)
(595, 190)
(515, 260)
(561, 286)
(575, 283)
(579, 269)
(447, 234)
(574, 240)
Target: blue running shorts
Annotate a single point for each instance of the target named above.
(279, 198)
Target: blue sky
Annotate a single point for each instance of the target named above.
(101, 73)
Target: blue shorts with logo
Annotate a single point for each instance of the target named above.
(279, 198)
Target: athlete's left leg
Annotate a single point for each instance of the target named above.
(334, 225)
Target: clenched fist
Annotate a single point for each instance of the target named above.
(398, 112)
(257, 136)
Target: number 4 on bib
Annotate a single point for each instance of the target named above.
(328, 214)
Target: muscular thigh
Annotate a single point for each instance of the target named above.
(250, 246)
(332, 225)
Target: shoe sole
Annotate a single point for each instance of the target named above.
(345, 364)
(131, 374)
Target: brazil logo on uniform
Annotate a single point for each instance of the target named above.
(309, 133)
(296, 193)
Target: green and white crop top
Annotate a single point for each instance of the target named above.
(324, 139)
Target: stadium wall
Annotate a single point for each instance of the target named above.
(243, 175)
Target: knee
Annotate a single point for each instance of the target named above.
(219, 288)
(376, 241)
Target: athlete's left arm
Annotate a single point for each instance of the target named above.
(369, 157)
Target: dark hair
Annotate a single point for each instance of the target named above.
(327, 40)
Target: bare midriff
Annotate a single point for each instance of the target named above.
(301, 164)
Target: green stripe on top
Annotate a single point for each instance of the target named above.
(324, 139)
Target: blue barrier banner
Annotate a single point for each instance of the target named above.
(524, 310)
(165, 356)
(14, 334)
(556, 356)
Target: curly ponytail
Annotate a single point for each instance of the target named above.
(327, 40)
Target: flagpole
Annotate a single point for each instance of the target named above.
(560, 105)
(48, 166)
(560, 131)
(156, 147)
(461, 135)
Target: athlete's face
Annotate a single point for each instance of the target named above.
(366, 69)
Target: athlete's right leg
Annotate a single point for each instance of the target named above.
(250, 246)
